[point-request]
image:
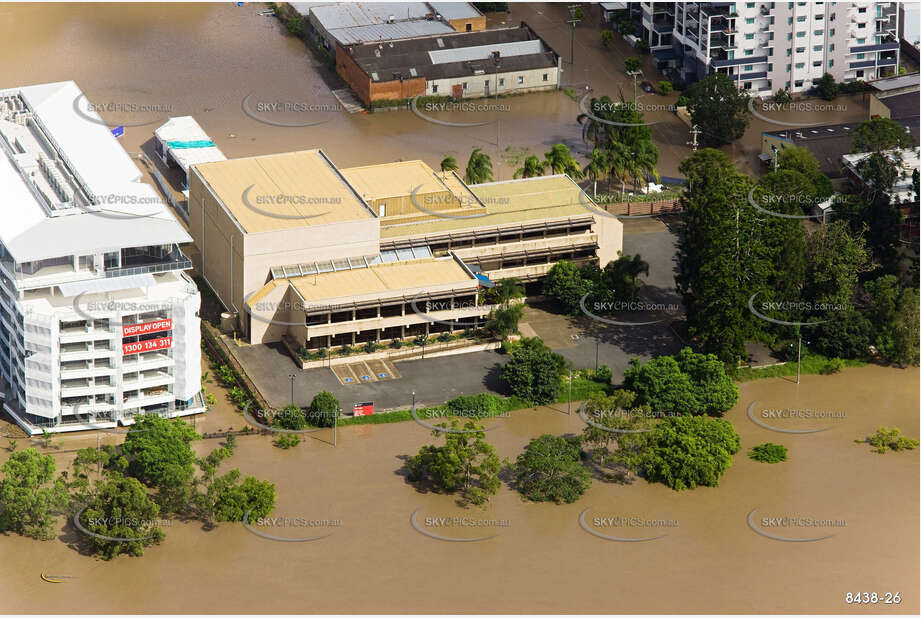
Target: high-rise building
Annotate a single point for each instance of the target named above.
(98, 321)
(766, 46)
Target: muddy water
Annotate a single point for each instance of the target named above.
(203, 60)
(539, 558)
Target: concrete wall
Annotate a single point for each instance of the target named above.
(476, 84)
(610, 238)
(469, 24)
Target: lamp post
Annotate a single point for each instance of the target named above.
(570, 392)
(291, 377)
(414, 400)
(596, 352)
(634, 74)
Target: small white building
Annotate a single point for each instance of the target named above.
(181, 142)
(908, 163)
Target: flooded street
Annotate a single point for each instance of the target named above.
(141, 63)
(375, 561)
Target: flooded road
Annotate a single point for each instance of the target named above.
(539, 558)
(140, 63)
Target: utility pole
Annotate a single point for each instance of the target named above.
(596, 352)
(633, 74)
(695, 131)
(799, 356)
(291, 377)
(570, 392)
(572, 21)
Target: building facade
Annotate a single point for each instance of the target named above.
(379, 252)
(766, 46)
(98, 320)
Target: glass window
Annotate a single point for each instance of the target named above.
(831, 63)
(800, 35)
(800, 65)
(750, 36)
(749, 52)
(520, 79)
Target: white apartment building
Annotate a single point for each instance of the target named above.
(766, 46)
(98, 320)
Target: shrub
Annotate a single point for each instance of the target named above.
(607, 37)
(323, 410)
(768, 453)
(641, 46)
(603, 374)
(665, 87)
(287, 440)
(682, 101)
(889, 439)
(834, 365)
(395, 343)
(481, 405)
(687, 451)
(550, 470)
(533, 371)
(295, 25)
(290, 417)
(782, 96)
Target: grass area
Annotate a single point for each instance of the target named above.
(811, 364)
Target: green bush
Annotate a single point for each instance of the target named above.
(290, 417)
(550, 470)
(687, 451)
(665, 87)
(323, 410)
(533, 371)
(287, 440)
(603, 374)
(890, 439)
(768, 453)
(482, 405)
(682, 101)
(834, 365)
(295, 25)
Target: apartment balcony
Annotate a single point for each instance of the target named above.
(86, 388)
(148, 361)
(149, 380)
(729, 62)
(76, 352)
(887, 46)
(155, 397)
(83, 370)
(82, 334)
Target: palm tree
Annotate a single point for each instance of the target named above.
(645, 157)
(593, 130)
(597, 168)
(506, 290)
(448, 164)
(479, 168)
(618, 158)
(560, 161)
(622, 276)
(532, 168)
(504, 322)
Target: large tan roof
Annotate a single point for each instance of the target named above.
(506, 202)
(381, 279)
(283, 191)
(402, 178)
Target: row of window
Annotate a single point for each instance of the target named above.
(520, 80)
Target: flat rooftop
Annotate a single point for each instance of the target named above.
(387, 180)
(284, 191)
(69, 188)
(905, 106)
(187, 142)
(507, 202)
(381, 280)
(453, 55)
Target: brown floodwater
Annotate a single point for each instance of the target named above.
(539, 558)
(144, 62)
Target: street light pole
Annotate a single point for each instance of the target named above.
(799, 356)
(570, 392)
(633, 74)
(291, 377)
(596, 352)
(414, 400)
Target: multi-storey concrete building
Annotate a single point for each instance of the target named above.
(296, 247)
(766, 46)
(98, 321)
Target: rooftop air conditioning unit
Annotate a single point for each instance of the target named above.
(390, 19)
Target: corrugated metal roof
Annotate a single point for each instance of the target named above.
(351, 14)
(455, 10)
(387, 32)
(482, 52)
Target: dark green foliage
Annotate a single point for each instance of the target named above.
(29, 496)
(121, 509)
(533, 371)
(565, 285)
(846, 334)
(768, 453)
(688, 383)
(879, 134)
(290, 417)
(720, 109)
(235, 499)
(550, 470)
(481, 405)
(466, 463)
(160, 456)
(687, 451)
(826, 87)
(323, 410)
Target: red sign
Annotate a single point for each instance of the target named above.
(143, 329)
(147, 346)
(363, 409)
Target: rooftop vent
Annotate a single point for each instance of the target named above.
(440, 42)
